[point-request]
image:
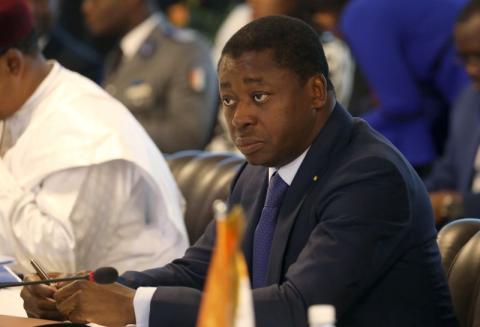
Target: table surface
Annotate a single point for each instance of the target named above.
(11, 303)
(12, 313)
(11, 321)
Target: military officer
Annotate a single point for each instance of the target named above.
(163, 74)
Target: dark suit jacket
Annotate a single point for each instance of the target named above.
(454, 171)
(72, 54)
(360, 236)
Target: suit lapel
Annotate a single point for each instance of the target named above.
(332, 137)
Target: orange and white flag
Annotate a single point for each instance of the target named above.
(227, 297)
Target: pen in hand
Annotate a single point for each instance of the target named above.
(39, 270)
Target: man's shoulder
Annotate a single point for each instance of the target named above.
(79, 91)
(366, 142)
(367, 156)
(81, 105)
(179, 38)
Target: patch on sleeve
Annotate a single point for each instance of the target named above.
(139, 94)
(197, 79)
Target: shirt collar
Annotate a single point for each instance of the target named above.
(288, 171)
(132, 41)
(19, 121)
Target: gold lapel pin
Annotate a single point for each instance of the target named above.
(315, 178)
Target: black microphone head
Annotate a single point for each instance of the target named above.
(105, 275)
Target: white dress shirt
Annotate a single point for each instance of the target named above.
(83, 185)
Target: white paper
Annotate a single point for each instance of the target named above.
(4, 260)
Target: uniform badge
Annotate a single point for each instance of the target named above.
(139, 94)
(197, 79)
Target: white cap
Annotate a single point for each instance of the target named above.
(321, 314)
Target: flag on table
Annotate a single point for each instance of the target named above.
(227, 297)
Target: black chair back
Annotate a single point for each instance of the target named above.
(459, 243)
(203, 177)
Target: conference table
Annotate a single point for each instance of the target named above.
(13, 321)
(12, 313)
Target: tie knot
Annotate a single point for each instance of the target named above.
(276, 191)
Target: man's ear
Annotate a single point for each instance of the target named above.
(318, 87)
(13, 62)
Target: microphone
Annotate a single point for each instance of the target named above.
(104, 275)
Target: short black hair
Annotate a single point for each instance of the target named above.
(295, 45)
(27, 45)
(470, 10)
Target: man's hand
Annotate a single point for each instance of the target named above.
(84, 301)
(38, 300)
(446, 205)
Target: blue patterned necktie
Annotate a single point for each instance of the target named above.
(262, 241)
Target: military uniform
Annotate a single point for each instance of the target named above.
(170, 87)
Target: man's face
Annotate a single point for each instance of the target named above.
(268, 110)
(106, 17)
(262, 8)
(467, 39)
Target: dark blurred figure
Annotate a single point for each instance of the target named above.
(163, 74)
(405, 51)
(454, 184)
(56, 43)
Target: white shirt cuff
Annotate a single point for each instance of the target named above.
(141, 305)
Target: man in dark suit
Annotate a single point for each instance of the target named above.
(454, 183)
(354, 228)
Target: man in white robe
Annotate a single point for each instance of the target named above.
(81, 183)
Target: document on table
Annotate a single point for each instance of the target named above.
(6, 260)
(7, 275)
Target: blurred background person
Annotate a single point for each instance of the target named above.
(177, 11)
(454, 183)
(57, 43)
(163, 74)
(406, 53)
